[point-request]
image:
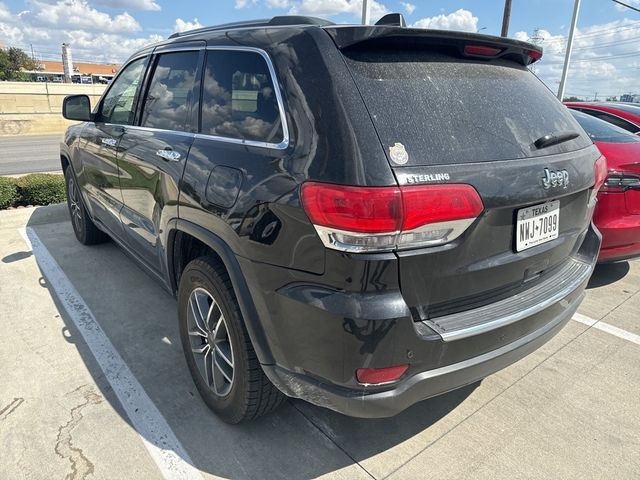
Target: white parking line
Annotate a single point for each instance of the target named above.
(606, 327)
(163, 445)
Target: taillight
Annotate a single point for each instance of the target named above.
(600, 171)
(620, 182)
(534, 55)
(376, 376)
(374, 219)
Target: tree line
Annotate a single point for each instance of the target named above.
(12, 63)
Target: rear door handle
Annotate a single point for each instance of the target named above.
(110, 142)
(168, 154)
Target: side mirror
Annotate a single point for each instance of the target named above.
(77, 107)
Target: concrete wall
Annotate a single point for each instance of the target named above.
(36, 108)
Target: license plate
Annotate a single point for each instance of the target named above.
(538, 224)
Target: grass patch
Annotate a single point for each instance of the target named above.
(32, 189)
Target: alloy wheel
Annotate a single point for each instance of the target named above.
(210, 343)
(74, 205)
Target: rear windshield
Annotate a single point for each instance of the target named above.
(601, 131)
(446, 110)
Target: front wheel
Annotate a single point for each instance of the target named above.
(221, 359)
(83, 227)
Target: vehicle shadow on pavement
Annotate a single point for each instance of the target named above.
(140, 319)
(608, 273)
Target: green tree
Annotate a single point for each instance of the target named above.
(12, 61)
(571, 99)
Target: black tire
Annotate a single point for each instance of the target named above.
(250, 393)
(85, 230)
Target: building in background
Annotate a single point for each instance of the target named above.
(630, 98)
(52, 71)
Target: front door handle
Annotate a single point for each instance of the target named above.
(110, 142)
(168, 154)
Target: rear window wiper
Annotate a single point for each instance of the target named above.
(554, 139)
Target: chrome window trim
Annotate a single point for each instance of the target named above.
(276, 87)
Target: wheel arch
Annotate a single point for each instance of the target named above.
(228, 259)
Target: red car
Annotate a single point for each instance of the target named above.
(617, 214)
(623, 115)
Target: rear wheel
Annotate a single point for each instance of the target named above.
(85, 230)
(221, 359)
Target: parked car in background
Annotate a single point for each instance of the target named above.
(359, 216)
(617, 214)
(623, 115)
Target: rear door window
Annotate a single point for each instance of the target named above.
(167, 102)
(239, 99)
(447, 110)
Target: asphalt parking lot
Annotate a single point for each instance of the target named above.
(93, 384)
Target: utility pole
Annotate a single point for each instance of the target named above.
(366, 12)
(505, 18)
(567, 55)
(536, 39)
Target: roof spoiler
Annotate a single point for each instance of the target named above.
(471, 45)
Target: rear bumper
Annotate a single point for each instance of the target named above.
(620, 238)
(335, 333)
(423, 385)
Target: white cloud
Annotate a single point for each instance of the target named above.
(184, 25)
(148, 5)
(95, 36)
(594, 67)
(335, 7)
(245, 3)
(462, 20)
(278, 3)
(408, 7)
(4, 12)
(69, 14)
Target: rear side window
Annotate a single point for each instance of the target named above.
(167, 102)
(239, 100)
(447, 110)
(617, 121)
(118, 105)
(601, 131)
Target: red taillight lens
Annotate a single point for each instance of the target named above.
(438, 203)
(355, 209)
(375, 376)
(600, 172)
(481, 50)
(383, 218)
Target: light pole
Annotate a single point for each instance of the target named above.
(505, 18)
(567, 55)
(366, 11)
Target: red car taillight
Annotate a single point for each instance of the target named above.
(368, 219)
(600, 171)
(620, 182)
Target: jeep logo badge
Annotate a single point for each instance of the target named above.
(557, 178)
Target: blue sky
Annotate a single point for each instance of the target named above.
(109, 30)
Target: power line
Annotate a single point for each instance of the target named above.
(597, 33)
(625, 5)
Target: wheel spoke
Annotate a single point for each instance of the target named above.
(223, 351)
(202, 349)
(209, 375)
(197, 320)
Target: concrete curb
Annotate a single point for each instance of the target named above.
(34, 216)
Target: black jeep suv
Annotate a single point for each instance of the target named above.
(358, 216)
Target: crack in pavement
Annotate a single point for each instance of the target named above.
(9, 409)
(81, 466)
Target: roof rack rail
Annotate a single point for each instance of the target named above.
(281, 20)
